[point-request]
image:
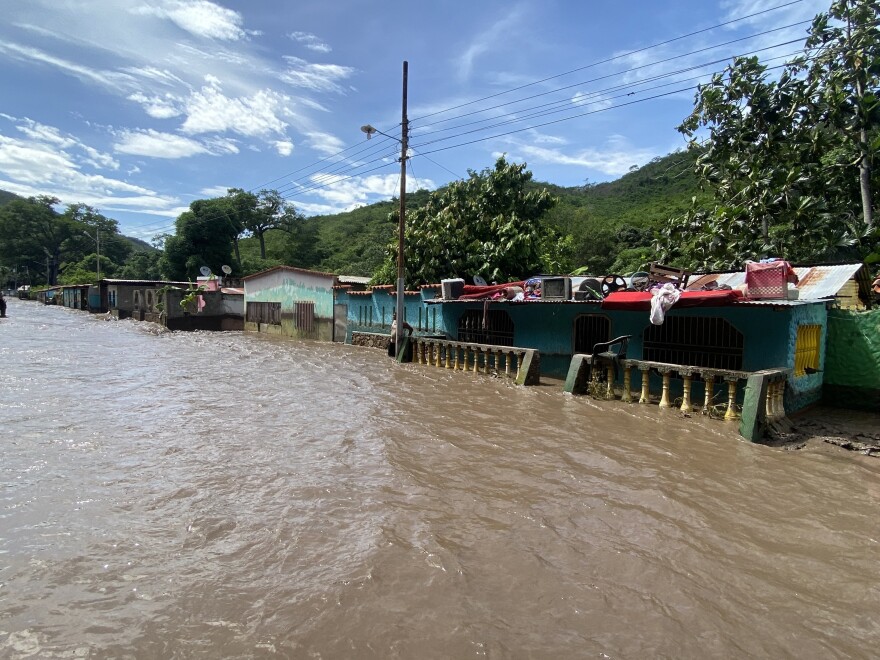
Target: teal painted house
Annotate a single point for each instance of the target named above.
(371, 311)
(748, 335)
(744, 336)
(290, 301)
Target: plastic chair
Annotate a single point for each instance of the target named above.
(604, 355)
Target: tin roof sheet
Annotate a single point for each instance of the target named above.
(814, 282)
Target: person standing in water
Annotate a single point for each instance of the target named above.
(2, 306)
(392, 345)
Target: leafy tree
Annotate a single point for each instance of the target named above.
(271, 212)
(203, 237)
(141, 266)
(485, 225)
(787, 160)
(34, 233)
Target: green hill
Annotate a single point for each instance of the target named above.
(611, 224)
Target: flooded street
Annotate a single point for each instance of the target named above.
(180, 495)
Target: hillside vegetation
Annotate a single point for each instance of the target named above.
(612, 226)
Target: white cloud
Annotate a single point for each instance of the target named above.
(158, 145)
(211, 111)
(200, 18)
(324, 143)
(284, 147)
(112, 79)
(32, 167)
(157, 107)
(215, 191)
(343, 194)
(310, 41)
(317, 77)
(615, 158)
(500, 32)
(49, 135)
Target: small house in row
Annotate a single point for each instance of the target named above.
(295, 302)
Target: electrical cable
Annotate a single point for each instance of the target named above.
(610, 59)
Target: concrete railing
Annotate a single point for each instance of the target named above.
(763, 399)
(520, 364)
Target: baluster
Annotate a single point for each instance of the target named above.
(709, 380)
(769, 401)
(507, 364)
(516, 363)
(467, 354)
(686, 391)
(477, 352)
(646, 384)
(439, 356)
(609, 376)
(782, 397)
(486, 364)
(731, 413)
(455, 363)
(664, 398)
(448, 356)
(627, 384)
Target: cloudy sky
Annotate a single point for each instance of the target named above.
(139, 107)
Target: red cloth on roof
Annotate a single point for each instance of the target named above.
(475, 292)
(641, 300)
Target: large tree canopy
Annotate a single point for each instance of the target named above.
(485, 225)
(54, 246)
(788, 160)
(203, 237)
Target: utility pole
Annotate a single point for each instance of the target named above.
(401, 260)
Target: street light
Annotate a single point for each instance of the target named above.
(404, 138)
(97, 239)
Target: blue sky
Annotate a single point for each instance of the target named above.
(139, 107)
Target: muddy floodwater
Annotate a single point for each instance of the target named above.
(208, 495)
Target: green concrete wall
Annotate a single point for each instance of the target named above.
(852, 366)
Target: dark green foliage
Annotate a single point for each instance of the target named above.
(203, 237)
(486, 225)
(789, 160)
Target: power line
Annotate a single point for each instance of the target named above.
(325, 179)
(610, 59)
(644, 66)
(567, 103)
(553, 77)
(514, 121)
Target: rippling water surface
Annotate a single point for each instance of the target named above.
(211, 495)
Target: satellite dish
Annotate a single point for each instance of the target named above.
(226, 269)
(479, 281)
(205, 271)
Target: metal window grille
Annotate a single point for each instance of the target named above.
(492, 327)
(698, 341)
(264, 312)
(304, 316)
(806, 348)
(589, 330)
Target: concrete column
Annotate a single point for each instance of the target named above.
(664, 398)
(686, 391)
(731, 399)
(646, 384)
(627, 383)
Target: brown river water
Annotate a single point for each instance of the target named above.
(224, 495)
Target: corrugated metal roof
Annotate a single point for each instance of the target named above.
(814, 282)
(353, 279)
(291, 269)
(144, 282)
